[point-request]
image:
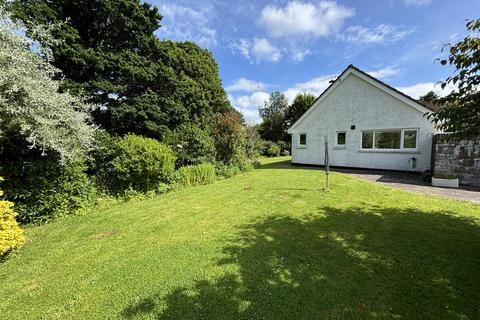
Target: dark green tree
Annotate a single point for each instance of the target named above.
(107, 50)
(299, 106)
(429, 98)
(273, 127)
(460, 114)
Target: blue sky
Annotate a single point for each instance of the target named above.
(298, 46)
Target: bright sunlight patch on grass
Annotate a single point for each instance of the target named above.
(268, 244)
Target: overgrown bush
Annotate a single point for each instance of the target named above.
(282, 145)
(273, 150)
(199, 174)
(192, 145)
(141, 164)
(11, 235)
(254, 144)
(228, 171)
(229, 136)
(43, 189)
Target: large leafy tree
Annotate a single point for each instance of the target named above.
(299, 106)
(273, 127)
(460, 114)
(108, 51)
(33, 114)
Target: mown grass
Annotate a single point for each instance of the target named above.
(268, 244)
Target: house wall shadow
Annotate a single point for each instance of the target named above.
(352, 263)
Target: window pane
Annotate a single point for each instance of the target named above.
(367, 139)
(341, 137)
(303, 139)
(387, 139)
(410, 139)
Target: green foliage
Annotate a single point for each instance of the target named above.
(273, 150)
(229, 136)
(230, 170)
(273, 114)
(194, 175)
(301, 103)
(429, 98)
(253, 142)
(460, 114)
(282, 145)
(11, 235)
(30, 104)
(192, 145)
(108, 50)
(43, 189)
(227, 171)
(141, 164)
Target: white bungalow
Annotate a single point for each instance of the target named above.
(368, 124)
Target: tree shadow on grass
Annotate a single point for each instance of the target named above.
(352, 263)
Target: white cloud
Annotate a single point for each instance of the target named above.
(187, 24)
(260, 49)
(385, 72)
(314, 86)
(248, 105)
(382, 34)
(417, 3)
(304, 18)
(246, 85)
(419, 89)
(299, 55)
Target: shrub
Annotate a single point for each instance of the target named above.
(43, 189)
(282, 145)
(229, 136)
(195, 175)
(141, 164)
(273, 150)
(254, 144)
(228, 171)
(192, 145)
(11, 236)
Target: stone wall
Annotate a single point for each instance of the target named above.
(457, 157)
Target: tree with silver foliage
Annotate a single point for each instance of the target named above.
(30, 104)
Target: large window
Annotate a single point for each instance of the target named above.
(388, 139)
(394, 139)
(303, 139)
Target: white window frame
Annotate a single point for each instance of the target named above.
(299, 140)
(402, 138)
(336, 139)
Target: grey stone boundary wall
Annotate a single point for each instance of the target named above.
(459, 157)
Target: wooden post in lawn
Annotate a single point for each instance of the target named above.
(327, 164)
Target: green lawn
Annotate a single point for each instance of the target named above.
(268, 244)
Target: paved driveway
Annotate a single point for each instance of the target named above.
(413, 182)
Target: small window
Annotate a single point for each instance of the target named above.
(367, 139)
(341, 138)
(410, 139)
(388, 139)
(303, 139)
